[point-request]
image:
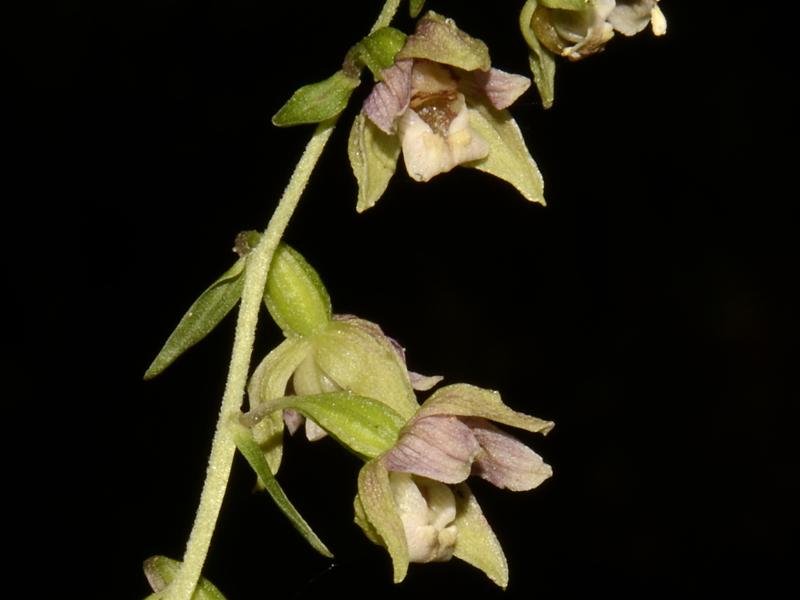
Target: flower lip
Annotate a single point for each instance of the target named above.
(427, 510)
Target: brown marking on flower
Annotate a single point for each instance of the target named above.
(435, 109)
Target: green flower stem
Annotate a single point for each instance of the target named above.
(222, 445)
(387, 14)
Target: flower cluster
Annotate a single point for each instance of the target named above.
(439, 103)
(343, 376)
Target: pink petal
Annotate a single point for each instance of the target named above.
(389, 98)
(505, 461)
(440, 448)
(501, 88)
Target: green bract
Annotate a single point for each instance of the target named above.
(294, 295)
(252, 452)
(317, 102)
(208, 310)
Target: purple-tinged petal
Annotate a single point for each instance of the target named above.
(440, 448)
(505, 461)
(500, 88)
(389, 98)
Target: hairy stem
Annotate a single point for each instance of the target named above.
(258, 262)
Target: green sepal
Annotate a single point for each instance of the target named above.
(377, 50)
(464, 400)
(360, 519)
(438, 39)
(415, 7)
(202, 317)
(365, 426)
(373, 158)
(542, 61)
(380, 510)
(160, 571)
(565, 4)
(269, 381)
(508, 158)
(243, 438)
(295, 295)
(476, 543)
(317, 102)
(360, 359)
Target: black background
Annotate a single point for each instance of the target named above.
(648, 310)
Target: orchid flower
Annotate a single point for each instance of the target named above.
(584, 29)
(322, 353)
(412, 499)
(442, 104)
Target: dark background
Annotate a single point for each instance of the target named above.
(648, 310)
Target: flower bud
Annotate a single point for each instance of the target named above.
(295, 295)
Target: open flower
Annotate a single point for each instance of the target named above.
(412, 498)
(424, 103)
(443, 105)
(579, 32)
(349, 354)
(322, 353)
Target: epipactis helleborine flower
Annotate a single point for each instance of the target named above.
(579, 32)
(322, 353)
(349, 354)
(423, 101)
(412, 498)
(445, 105)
